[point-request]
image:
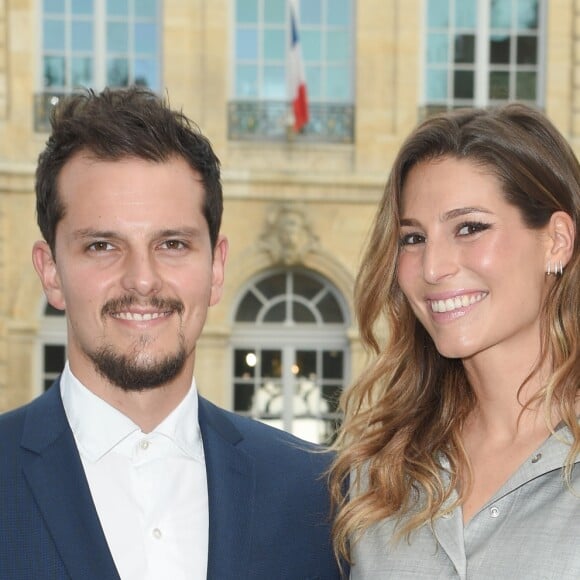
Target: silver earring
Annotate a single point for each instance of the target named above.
(556, 270)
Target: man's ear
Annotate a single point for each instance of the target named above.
(561, 236)
(45, 267)
(220, 253)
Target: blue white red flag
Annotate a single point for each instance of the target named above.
(296, 76)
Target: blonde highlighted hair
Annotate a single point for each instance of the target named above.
(405, 413)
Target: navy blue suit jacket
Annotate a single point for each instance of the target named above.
(268, 504)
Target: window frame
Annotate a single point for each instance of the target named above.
(482, 67)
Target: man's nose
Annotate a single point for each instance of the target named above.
(140, 274)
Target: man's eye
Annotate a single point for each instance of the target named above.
(173, 244)
(100, 247)
(412, 239)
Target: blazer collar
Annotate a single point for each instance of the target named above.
(53, 469)
(231, 486)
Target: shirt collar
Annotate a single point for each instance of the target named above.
(98, 427)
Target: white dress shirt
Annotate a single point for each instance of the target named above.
(150, 490)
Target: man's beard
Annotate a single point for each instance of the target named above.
(131, 374)
(135, 371)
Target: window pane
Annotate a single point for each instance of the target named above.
(314, 82)
(438, 14)
(311, 12)
(339, 15)
(246, 81)
(54, 358)
(118, 72)
(53, 35)
(332, 364)
(117, 37)
(118, 8)
(305, 363)
(82, 72)
(306, 286)
(242, 363)
(331, 394)
(499, 49)
(527, 47)
(271, 364)
(302, 314)
(146, 73)
(463, 81)
(273, 285)
(338, 84)
(526, 85)
(82, 36)
(247, 11)
(53, 7)
(330, 310)
(464, 48)
(276, 313)
(274, 82)
(528, 14)
(436, 85)
(82, 7)
(311, 45)
(274, 44)
(146, 8)
(50, 310)
(499, 85)
(248, 308)
(275, 11)
(338, 45)
(53, 71)
(247, 44)
(501, 13)
(465, 13)
(146, 37)
(243, 396)
(437, 49)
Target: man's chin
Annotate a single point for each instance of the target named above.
(137, 373)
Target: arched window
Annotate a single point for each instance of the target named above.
(290, 352)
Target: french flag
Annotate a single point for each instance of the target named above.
(296, 77)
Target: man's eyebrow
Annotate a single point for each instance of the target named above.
(188, 231)
(89, 233)
(448, 215)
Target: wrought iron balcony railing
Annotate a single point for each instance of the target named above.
(272, 121)
(253, 120)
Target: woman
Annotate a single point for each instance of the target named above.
(461, 436)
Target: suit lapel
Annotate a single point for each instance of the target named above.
(53, 469)
(231, 491)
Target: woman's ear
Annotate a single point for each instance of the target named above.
(45, 267)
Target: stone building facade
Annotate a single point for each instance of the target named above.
(297, 207)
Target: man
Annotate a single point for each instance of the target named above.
(121, 470)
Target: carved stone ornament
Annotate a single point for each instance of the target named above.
(287, 235)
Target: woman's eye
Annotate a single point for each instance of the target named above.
(412, 239)
(470, 228)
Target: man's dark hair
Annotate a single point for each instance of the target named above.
(116, 124)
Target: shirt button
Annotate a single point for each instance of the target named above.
(536, 457)
(494, 512)
(157, 533)
(144, 444)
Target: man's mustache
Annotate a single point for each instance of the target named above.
(116, 305)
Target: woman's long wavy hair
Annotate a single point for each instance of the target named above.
(404, 414)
